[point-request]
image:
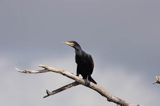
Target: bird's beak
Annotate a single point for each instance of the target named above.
(69, 43)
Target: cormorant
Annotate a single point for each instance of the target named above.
(84, 61)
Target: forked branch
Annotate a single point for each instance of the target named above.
(78, 81)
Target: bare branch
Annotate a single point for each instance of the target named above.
(61, 89)
(32, 71)
(93, 86)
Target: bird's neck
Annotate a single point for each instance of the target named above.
(78, 50)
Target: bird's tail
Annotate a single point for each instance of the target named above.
(92, 80)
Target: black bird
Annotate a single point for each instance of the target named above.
(84, 62)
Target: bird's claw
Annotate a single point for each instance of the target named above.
(87, 82)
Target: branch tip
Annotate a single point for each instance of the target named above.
(48, 92)
(42, 66)
(19, 70)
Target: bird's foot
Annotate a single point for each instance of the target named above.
(87, 82)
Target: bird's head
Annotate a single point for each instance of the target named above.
(73, 44)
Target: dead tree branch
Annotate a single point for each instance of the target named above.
(78, 81)
(61, 89)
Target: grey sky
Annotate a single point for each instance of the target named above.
(123, 37)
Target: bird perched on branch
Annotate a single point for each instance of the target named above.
(84, 62)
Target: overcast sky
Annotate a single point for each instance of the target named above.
(123, 37)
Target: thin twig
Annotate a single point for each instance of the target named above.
(61, 89)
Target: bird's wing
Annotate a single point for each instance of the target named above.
(91, 62)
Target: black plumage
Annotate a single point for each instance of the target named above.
(84, 61)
